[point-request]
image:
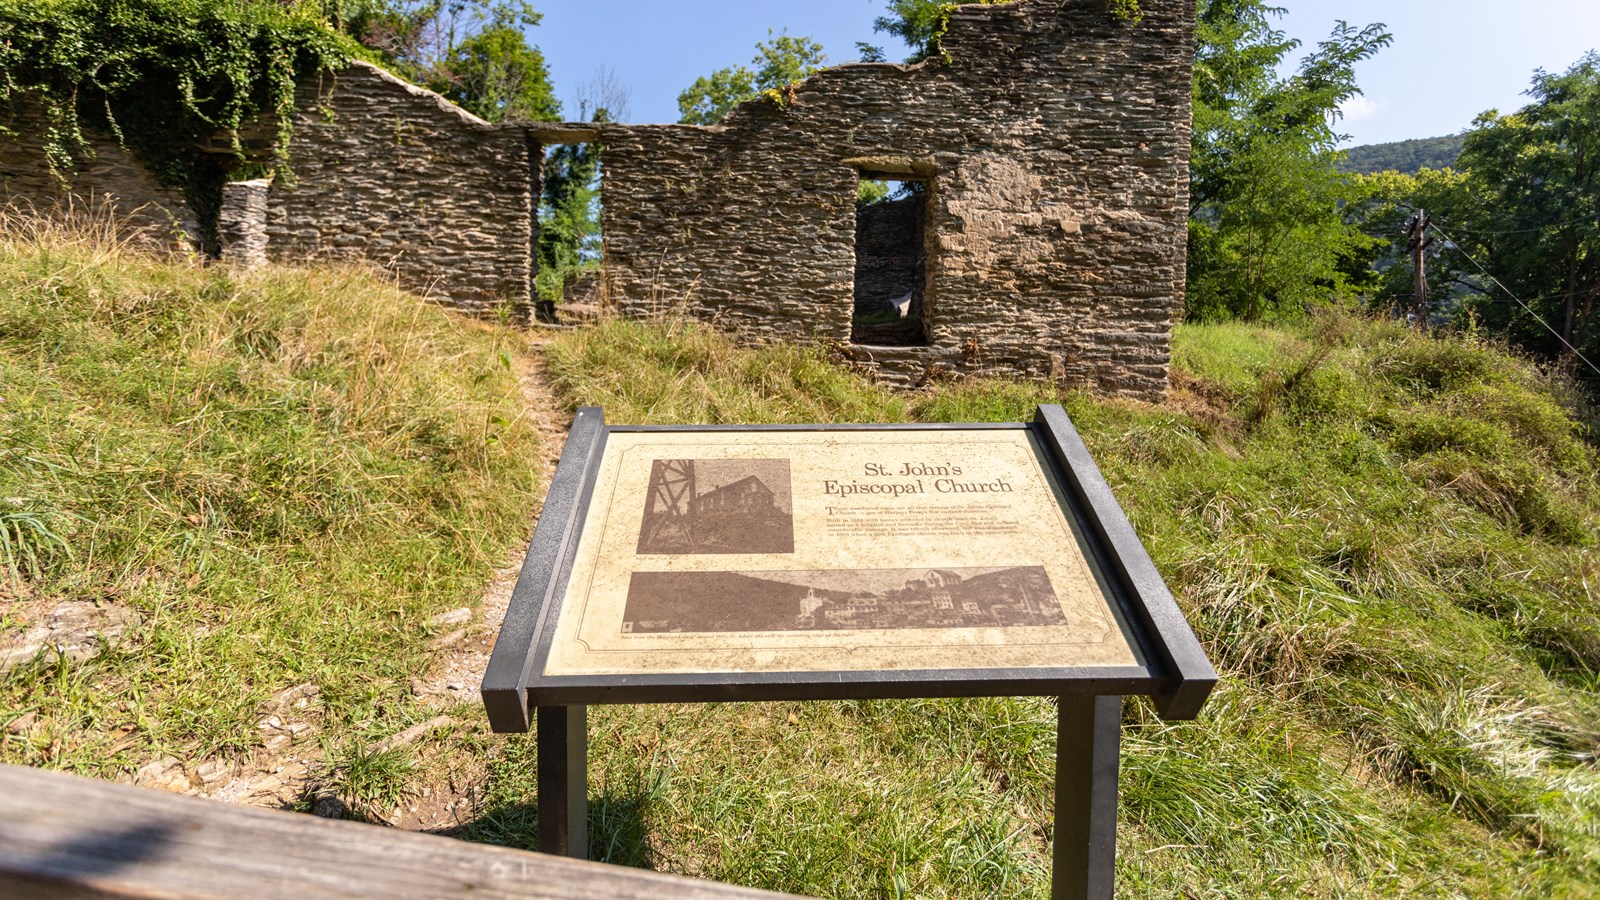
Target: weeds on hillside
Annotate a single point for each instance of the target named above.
(676, 371)
(1386, 540)
(285, 473)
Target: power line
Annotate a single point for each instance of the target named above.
(1579, 220)
(1526, 308)
(1486, 295)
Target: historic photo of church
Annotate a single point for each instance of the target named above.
(718, 506)
(871, 599)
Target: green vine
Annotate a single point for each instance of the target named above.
(164, 77)
(1126, 10)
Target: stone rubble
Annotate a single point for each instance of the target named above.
(78, 631)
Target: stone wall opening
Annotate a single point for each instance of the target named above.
(891, 265)
(569, 245)
(1047, 239)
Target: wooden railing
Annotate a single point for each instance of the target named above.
(65, 836)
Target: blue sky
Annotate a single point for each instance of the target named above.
(1450, 59)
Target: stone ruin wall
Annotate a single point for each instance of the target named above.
(380, 171)
(1055, 146)
(387, 172)
(108, 183)
(242, 222)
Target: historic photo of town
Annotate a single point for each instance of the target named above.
(718, 506)
(699, 602)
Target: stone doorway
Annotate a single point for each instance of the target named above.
(891, 262)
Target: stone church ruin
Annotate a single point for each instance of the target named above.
(1035, 225)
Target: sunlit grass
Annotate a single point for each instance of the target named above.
(286, 473)
(1386, 541)
(1404, 619)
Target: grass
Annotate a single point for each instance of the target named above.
(1385, 539)
(285, 473)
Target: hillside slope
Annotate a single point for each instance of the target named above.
(1405, 157)
(1387, 542)
(268, 483)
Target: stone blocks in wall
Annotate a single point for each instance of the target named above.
(388, 173)
(108, 183)
(1053, 140)
(1055, 146)
(242, 222)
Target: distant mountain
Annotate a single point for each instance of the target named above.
(1405, 157)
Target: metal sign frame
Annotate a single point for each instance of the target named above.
(1176, 674)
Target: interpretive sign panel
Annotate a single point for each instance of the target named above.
(793, 562)
(776, 551)
(825, 562)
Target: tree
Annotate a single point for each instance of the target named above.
(474, 52)
(1268, 229)
(1406, 157)
(779, 62)
(918, 23)
(496, 75)
(712, 96)
(570, 199)
(1388, 199)
(569, 221)
(1535, 175)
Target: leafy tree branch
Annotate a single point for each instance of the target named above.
(780, 61)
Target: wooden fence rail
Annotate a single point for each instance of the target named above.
(65, 836)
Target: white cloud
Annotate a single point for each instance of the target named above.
(1359, 107)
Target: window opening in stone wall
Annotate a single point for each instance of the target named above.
(891, 262)
(569, 255)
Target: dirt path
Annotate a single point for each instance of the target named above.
(446, 796)
(464, 651)
(284, 770)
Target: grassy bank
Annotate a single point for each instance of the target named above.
(1386, 541)
(283, 475)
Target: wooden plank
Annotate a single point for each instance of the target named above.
(65, 836)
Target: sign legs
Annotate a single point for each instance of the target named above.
(563, 752)
(1088, 748)
(1088, 745)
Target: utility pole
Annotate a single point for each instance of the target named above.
(1416, 228)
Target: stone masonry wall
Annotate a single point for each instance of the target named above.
(387, 172)
(1055, 143)
(110, 182)
(242, 222)
(1053, 140)
(890, 237)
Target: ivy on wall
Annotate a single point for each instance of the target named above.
(162, 76)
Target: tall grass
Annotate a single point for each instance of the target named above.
(286, 473)
(1386, 541)
(675, 371)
